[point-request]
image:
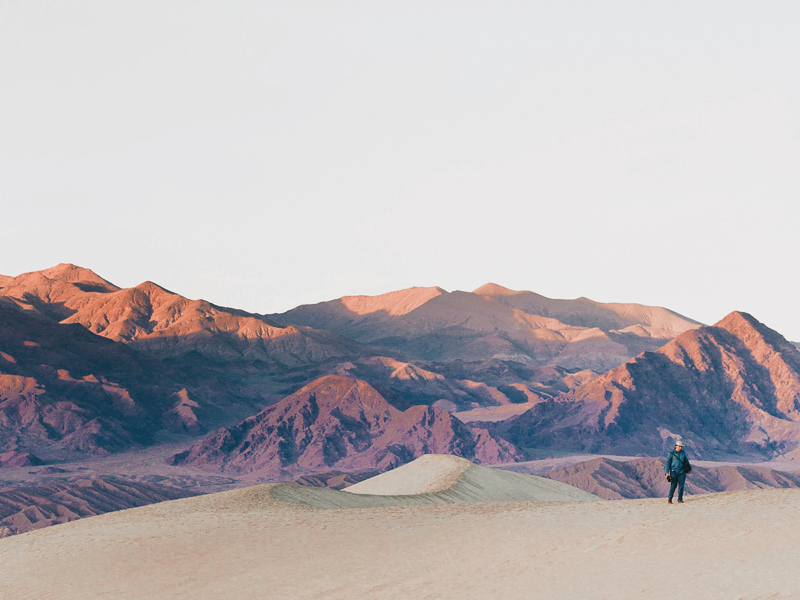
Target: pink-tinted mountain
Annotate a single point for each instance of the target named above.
(488, 351)
(28, 507)
(166, 324)
(339, 423)
(729, 389)
(496, 323)
(88, 367)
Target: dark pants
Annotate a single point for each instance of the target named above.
(678, 481)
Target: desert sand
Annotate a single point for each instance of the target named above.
(260, 542)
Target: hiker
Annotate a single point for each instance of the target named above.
(677, 468)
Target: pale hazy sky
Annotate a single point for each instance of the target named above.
(266, 154)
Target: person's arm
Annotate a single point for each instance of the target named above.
(669, 462)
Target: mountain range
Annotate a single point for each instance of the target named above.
(494, 322)
(128, 387)
(370, 382)
(89, 367)
(166, 324)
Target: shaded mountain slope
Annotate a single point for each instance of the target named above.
(64, 388)
(342, 423)
(472, 390)
(229, 363)
(167, 324)
(405, 384)
(732, 388)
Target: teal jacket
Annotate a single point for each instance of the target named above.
(676, 461)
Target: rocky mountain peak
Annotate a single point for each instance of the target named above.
(741, 324)
(733, 387)
(339, 422)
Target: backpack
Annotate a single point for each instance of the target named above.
(687, 468)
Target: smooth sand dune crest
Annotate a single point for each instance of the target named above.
(454, 479)
(433, 479)
(430, 473)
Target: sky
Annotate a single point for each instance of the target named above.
(265, 154)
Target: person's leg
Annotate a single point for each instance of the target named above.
(673, 484)
(681, 483)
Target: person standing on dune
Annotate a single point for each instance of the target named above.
(677, 468)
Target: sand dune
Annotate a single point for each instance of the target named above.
(249, 544)
(453, 479)
(432, 479)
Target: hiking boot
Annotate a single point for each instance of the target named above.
(680, 501)
(669, 500)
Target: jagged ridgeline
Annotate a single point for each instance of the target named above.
(494, 375)
(88, 367)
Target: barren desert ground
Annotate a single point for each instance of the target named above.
(249, 544)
